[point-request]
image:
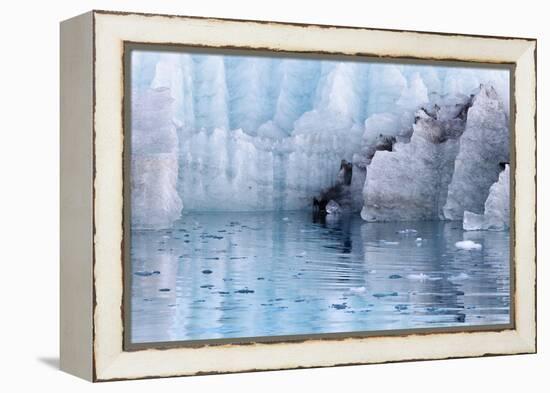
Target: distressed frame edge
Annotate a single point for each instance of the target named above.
(76, 196)
(526, 340)
(526, 180)
(305, 24)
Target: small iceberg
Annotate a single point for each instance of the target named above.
(333, 207)
(407, 231)
(422, 277)
(468, 245)
(358, 289)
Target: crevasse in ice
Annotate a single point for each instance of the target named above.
(240, 133)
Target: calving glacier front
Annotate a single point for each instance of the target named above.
(254, 133)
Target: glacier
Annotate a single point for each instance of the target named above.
(213, 132)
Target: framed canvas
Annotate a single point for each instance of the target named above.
(247, 195)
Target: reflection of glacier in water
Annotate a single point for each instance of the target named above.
(225, 275)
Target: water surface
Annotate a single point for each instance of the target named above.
(228, 275)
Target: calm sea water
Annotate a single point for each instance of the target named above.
(228, 275)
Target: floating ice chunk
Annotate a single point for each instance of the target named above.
(358, 289)
(422, 277)
(389, 243)
(418, 277)
(459, 277)
(333, 207)
(468, 245)
(407, 231)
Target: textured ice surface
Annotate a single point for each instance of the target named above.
(258, 133)
(450, 161)
(484, 146)
(333, 207)
(496, 215)
(409, 180)
(497, 205)
(154, 163)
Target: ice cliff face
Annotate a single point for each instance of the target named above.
(409, 179)
(484, 147)
(239, 133)
(454, 155)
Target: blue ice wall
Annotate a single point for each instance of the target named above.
(262, 133)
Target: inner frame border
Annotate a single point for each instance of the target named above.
(129, 46)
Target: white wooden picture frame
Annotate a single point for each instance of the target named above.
(92, 195)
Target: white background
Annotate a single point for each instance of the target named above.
(29, 205)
